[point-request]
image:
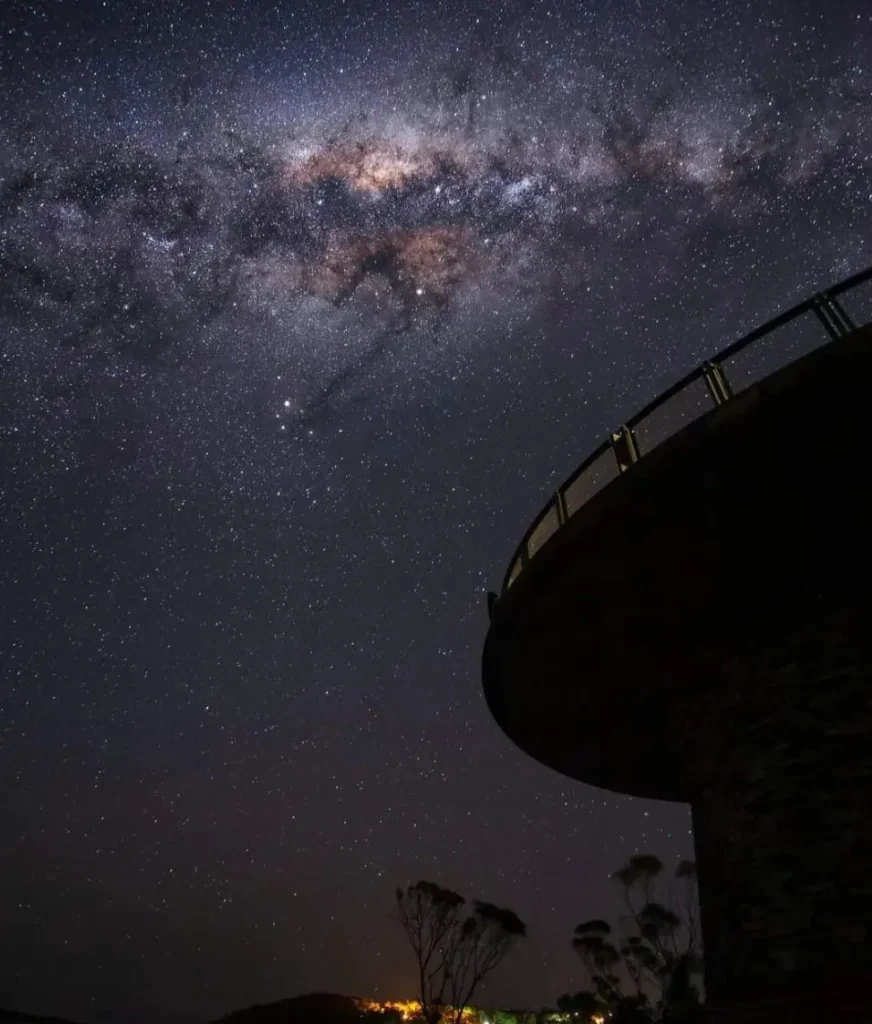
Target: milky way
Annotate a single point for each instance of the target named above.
(304, 313)
(331, 241)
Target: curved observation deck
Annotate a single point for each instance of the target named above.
(709, 523)
(765, 350)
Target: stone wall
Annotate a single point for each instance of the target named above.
(777, 750)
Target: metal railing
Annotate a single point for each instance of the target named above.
(812, 323)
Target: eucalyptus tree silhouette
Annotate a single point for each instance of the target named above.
(455, 944)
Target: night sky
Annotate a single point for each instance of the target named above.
(304, 312)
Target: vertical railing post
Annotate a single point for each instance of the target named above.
(838, 313)
(718, 385)
(560, 505)
(835, 320)
(625, 447)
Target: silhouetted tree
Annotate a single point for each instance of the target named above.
(665, 951)
(487, 936)
(600, 958)
(657, 951)
(635, 1009)
(455, 948)
(582, 1006)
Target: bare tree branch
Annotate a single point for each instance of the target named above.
(658, 950)
(454, 950)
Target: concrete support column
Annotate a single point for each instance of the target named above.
(778, 757)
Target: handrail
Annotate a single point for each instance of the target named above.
(833, 319)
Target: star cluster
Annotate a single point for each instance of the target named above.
(304, 312)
